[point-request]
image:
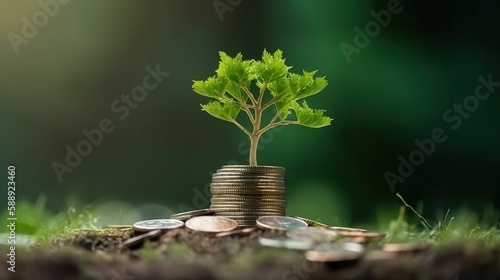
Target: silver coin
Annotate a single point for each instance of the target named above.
(149, 225)
(211, 224)
(283, 242)
(280, 223)
(236, 232)
(316, 235)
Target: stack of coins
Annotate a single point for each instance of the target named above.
(244, 193)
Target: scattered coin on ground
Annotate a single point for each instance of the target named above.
(340, 252)
(211, 224)
(184, 216)
(406, 247)
(279, 223)
(312, 223)
(312, 234)
(286, 243)
(140, 238)
(360, 236)
(163, 224)
(346, 229)
(237, 232)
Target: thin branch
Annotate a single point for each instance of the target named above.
(252, 98)
(261, 94)
(271, 102)
(242, 128)
(273, 120)
(249, 114)
(276, 124)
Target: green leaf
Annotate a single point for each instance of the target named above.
(270, 68)
(305, 85)
(310, 117)
(227, 111)
(280, 90)
(237, 92)
(235, 69)
(213, 87)
(316, 86)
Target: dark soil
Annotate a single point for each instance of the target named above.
(180, 254)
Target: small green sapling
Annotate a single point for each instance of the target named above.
(231, 89)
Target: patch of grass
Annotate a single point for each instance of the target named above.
(78, 224)
(35, 221)
(465, 226)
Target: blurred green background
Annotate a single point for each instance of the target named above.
(159, 158)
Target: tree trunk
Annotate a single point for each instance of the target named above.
(254, 142)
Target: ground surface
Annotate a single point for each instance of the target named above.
(179, 254)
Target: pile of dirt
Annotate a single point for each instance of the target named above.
(181, 254)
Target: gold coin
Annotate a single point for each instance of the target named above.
(360, 236)
(260, 168)
(235, 176)
(330, 253)
(249, 197)
(249, 184)
(248, 205)
(242, 218)
(249, 200)
(251, 214)
(245, 191)
(238, 232)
